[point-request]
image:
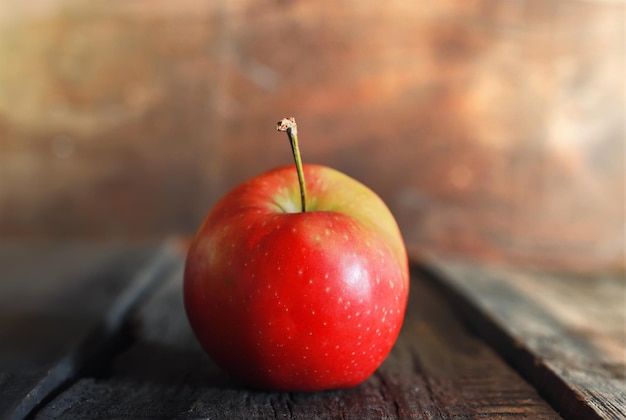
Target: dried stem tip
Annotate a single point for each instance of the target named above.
(288, 123)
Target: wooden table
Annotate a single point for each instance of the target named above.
(93, 330)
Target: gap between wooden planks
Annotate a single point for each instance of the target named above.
(566, 334)
(44, 378)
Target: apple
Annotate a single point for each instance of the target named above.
(297, 287)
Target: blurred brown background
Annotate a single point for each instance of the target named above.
(493, 129)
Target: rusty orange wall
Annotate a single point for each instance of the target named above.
(493, 129)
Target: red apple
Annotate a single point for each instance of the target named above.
(298, 301)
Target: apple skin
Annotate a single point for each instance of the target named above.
(293, 301)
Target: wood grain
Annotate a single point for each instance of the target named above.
(63, 313)
(566, 334)
(438, 369)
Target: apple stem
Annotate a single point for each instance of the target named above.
(289, 125)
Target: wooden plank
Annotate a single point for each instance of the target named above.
(48, 296)
(438, 369)
(57, 319)
(565, 333)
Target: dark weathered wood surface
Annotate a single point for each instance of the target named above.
(62, 310)
(565, 334)
(438, 369)
(79, 339)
